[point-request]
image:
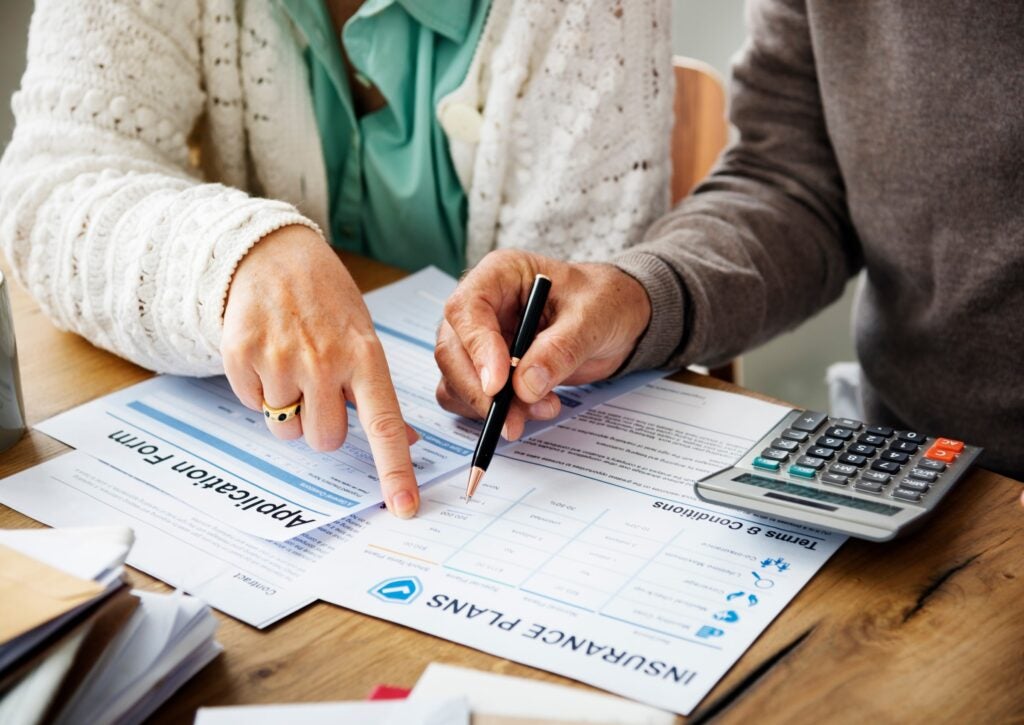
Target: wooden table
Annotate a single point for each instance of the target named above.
(930, 628)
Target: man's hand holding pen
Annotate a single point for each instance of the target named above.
(594, 317)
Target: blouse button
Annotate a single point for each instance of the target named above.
(461, 121)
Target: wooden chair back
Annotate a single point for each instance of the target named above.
(701, 128)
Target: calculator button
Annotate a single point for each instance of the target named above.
(838, 432)
(810, 462)
(931, 465)
(848, 423)
(913, 485)
(909, 435)
(794, 435)
(923, 474)
(835, 479)
(949, 444)
(774, 454)
(870, 439)
(875, 477)
(766, 464)
(801, 471)
(897, 456)
(869, 486)
(852, 459)
(843, 469)
(809, 420)
(783, 445)
(829, 442)
(886, 466)
(904, 446)
(906, 494)
(821, 452)
(940, 454)
(861, 449)
(880, 430)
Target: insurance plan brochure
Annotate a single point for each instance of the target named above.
(586, 552)
(192, 439)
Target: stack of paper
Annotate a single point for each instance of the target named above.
(76, 645)
(81, 566)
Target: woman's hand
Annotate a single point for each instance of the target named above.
(295, 326)
(595, 316)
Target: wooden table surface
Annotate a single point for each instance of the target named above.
(925, 629)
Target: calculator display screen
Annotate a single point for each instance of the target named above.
(817, 494)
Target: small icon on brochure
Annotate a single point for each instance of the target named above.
(400, 590)
(706, 632)
(751, 598)
(762, 582)
(780, 564)
(726, 615)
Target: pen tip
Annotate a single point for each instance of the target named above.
(475, 475)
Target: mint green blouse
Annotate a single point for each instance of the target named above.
(393, 191)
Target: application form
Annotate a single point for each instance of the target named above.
(585, 551)
(191, 437)
(249, 578)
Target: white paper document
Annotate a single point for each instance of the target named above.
(192, 439)
(254, 580)
(585, 551)
(426, 711)
(489, 693)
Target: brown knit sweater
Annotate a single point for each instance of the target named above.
(881, 135)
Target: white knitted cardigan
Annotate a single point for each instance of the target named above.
(123, 240)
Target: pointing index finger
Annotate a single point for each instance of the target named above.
(386, 431)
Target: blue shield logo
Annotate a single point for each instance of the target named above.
(400, 590)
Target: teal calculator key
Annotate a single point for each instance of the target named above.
(801, 471)
(766, 464)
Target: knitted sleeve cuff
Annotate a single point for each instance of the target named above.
(231, 246)
(665, 332)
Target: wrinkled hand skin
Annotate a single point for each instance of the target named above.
(295, 326)
(594, 317)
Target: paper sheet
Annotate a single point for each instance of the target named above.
(97, 555)
(504, 696)
(426, 711)
(585, 552)
(169, 639)
(254, 580)
(33, 593)
(191, 438)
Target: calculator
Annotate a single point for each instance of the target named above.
(868, 481)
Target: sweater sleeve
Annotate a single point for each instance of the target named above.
(100, 215)
(766, 240)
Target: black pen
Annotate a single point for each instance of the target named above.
(501, 402)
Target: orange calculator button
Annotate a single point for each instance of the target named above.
(950, 445)
(941, 454)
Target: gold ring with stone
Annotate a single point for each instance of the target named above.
(282, 415)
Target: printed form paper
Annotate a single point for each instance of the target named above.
(585, 552)
(249, 578)
(192, 439)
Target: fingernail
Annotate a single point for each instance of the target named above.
(485, 379)
(412, 436)
(402, 505)
(536, 378)
(542, 409)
